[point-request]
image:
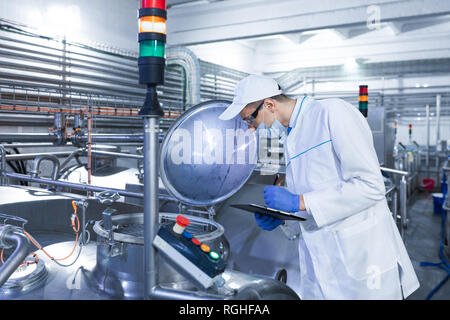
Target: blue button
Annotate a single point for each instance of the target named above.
(187, 235)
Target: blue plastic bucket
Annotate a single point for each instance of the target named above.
(438, 201)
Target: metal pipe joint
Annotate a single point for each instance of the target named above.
(34, 172)
(13, 237)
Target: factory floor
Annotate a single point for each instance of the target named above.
(422, 240)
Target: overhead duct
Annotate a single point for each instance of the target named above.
(189, 62)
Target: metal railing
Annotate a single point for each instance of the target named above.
(400, 197)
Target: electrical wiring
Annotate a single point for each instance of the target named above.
(87, 232)
(35, 256)
(76, 229)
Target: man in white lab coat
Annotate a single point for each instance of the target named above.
(349, 247)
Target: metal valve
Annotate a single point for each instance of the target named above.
(108, 197)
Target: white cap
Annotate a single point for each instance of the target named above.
(250, 89)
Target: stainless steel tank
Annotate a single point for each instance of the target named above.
(120, 266)
(48, 221)
(110, 266)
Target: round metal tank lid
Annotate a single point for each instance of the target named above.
(205, 160)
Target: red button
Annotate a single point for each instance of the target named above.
(196, 241)
(183, 221)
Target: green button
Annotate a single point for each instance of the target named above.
(152, 48)
(214, 255)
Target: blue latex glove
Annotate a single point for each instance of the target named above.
(267, 222)
(281, 199)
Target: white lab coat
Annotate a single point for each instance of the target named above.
(351, 249)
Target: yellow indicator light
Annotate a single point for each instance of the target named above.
(152, 24)
(205, 248)
(363, 98)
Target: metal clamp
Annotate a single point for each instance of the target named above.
(5, 231)
(115, 249)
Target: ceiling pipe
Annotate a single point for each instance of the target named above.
(189, 62)
(438, 118)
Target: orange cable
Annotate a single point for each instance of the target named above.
(36, 258)
(48, 255)
(76, 237)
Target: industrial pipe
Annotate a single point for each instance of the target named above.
(188, 60)
(71, 185)
(59, 120)
(81, 186)
(37, 162)
(114, 138)
(2, 164)
(28, 137)
(33, 145)
(403, 208)
(10, 237)
(50, 137)
(117, 154)
(394, 205)
(70, 157)
(400, 172)
(151, 205)
(427, 159)
(83, 152)
(438, 121)
(31, 156)
(170, 294)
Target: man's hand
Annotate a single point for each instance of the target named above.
(267, 222)
(281, 199)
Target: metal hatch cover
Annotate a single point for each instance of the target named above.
(205, 160)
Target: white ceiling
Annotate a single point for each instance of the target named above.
(261, 36)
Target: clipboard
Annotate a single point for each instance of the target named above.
(278, 214)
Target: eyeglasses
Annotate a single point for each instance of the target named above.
(251, 118)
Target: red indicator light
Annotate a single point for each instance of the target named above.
(160, 4)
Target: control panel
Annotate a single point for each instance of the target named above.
(187, 254)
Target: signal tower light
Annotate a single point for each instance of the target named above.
(152, 52)
(363, 99)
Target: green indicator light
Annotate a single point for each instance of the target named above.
(214, 255)
(152, 48)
